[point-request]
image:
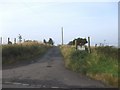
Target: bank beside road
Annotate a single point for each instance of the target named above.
(24, 52)
(101, 64)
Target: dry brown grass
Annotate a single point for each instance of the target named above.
(22, 51)
(105, 77)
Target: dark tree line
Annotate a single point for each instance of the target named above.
(50, 41)
(80, 41)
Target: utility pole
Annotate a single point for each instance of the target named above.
(24, 40)
(62, 35)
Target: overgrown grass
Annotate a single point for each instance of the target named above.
(22, 52)
(101, 64)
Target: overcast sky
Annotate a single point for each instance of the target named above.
(36, 20)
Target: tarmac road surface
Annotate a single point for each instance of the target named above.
(46, 72)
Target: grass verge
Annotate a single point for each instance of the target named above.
(22, 52)
(101, 64)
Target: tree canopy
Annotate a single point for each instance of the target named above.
(51, 41)
(20, 38)
(44, 41)
(80, 41)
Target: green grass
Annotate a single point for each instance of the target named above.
(101, 64)
(22, 52)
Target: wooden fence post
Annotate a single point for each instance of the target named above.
(89, 49)
(8, 40)
(76, 44)
(1, 40)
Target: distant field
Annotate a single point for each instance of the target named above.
(101, 64)
(22, 52)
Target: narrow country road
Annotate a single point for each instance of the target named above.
(47, 72)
